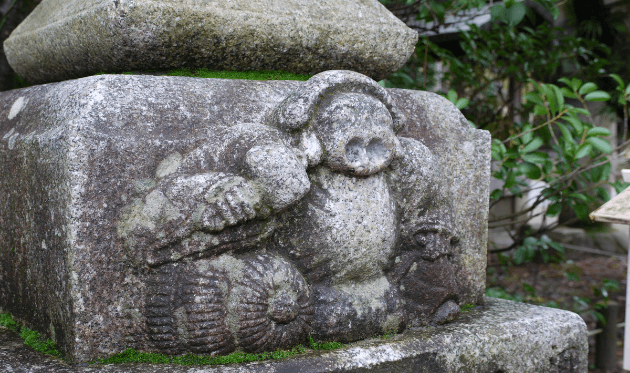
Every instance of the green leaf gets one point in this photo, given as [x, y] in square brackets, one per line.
[528, 135]
[520, 255]
[559, 97]
[535, 157]
[515, 14]
[533, 97]
[566, 134]
[462, 103]
[602, 194]
[582, 111]
[597, 96]
[581, 211]
[530, 170]
[568, 93]
[600, 144]
[496, 151]
[583, 151]
[452, 96]
[565, 81]
[554, 209]
[579, 196]
[576, 83]
[605, 172]
[533, 145]
[617, 79]
[598, 131]
[510, 180]
[587, 88]
[628, 89]
[516, 191]
[497, 12]
[540, 110]
[576, 123]
[550, 95]
[439, 10]
[556, 246]
[570, 148]
[496, 194]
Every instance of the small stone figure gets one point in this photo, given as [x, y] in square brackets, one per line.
[321, 221]
[422, 269]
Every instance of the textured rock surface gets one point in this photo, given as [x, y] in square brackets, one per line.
[500, 336]
[74, 38]
[145, 212]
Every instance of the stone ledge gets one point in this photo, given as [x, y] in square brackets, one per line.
[74, 38]
[498, 337]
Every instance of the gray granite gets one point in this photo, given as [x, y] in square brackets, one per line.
[184, 215]
[499, 336]
[65, 39]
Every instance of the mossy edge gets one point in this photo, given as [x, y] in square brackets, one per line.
[31, 337]
[132, 356]
[212, 74]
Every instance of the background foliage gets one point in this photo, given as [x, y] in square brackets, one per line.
[528, 83]
[541, 91]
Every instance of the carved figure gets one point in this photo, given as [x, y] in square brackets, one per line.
[321, 221]
[423, 270]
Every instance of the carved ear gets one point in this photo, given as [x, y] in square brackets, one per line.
[297, 110]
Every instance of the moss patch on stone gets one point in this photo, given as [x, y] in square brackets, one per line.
[468, 307]
[133, 356]
[324, 345]
[31, 337]
[247, 75]
[205, 73]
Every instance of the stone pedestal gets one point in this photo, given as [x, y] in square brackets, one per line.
[498, 336]
[174, 214]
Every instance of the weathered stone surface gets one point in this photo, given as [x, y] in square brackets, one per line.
[75, 38]
[500, 336]
[199, 215]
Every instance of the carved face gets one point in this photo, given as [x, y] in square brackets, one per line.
[356, 132]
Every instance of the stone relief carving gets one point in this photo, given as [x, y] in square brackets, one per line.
[320, 221]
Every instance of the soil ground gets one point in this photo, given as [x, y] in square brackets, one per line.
[582, 284]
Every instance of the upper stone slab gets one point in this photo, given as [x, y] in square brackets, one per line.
[66, 39]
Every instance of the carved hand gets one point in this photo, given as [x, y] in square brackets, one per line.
[231, 201]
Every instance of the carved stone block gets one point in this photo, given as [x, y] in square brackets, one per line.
[67, 39]
[182, 215]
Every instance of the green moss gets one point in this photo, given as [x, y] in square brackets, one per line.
[248, 75]
[468, 307]
[35, 340]
[133, 356]
[7, 321]
[31, 337]
[205, 73]
[325, 345]
[387, 335]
